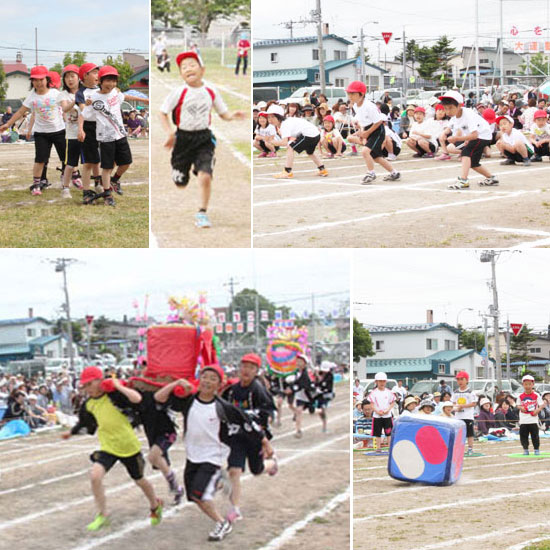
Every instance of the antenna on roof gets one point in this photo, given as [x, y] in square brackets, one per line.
[290, 25]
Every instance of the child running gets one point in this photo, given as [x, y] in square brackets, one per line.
[513, 143]
[325, 387]
[371, 134]
[108, 409]
[297, 135]
[304, 391]
[382, 400]
[193, 145]
[474, 131]
[530, 404]
[49, 127]
[464, 401]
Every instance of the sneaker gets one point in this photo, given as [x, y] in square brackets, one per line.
[76, 180]
[44, 183]
[116, 187]
[156, 514]
[262, 155]
[178, 494]
[65, 193]
[202, 220]
[275, 468]
[537, 451]
[234, 515]
[272, 156]
[369, 178]
[393, 176]
[460, 184]
[221, 529]
[284, 175]
[536, 158]
[88, 196]
[99, 522]
[489, 181]
[391, 156]
[526, 161]
[35, 190]
[323, 173]
[507, 162]
[443, 156]
[298, 434]
[526, 452]
[109, 200]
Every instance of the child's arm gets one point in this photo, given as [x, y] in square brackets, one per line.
[30, 127]
[132, 395]
[235, 115]
[366, 133]
[469, 137]
[20, 113]
[283, 142]
[129, 97]
[165, 121]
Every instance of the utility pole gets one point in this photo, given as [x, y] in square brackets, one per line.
[486, 331]
[508, 348]
[231, 284]
[36, 45]
[313, 335]
[61, 267]
[257, 322]
[501, 44]
[477, 51]
[290, 26]
[404, 67]
[317, 16]
[363, 57]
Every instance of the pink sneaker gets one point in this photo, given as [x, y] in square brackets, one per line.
[443, 156]
[262, 155]
[272, 156]
[36, 191]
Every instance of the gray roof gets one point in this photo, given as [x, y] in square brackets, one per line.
[22, 321]
[417, 327]
[301, 40]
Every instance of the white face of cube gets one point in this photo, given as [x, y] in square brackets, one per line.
[408, 459]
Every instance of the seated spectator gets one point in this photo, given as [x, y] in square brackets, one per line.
[36, 414]
[544, 415]
[134, 125]
[409, 406]
[163, 61]
[364, 422]
[16, 406]
[486, 418]
[506, 416]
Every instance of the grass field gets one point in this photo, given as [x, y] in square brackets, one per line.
[173, 209]
[48, 221]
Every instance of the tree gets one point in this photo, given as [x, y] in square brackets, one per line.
[200, 13]
[471, 339]
[100, 324]
[61, 325]
[444, 50]
[366, 55]
[124, 69]
[411, 53]
[538, 65]
[165, 10]
[428, 62]
[3, 82]
[362, 342]
[519, 345]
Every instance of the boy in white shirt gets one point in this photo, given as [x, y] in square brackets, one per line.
[422, 135]
[331, 139]
[540, 136]
[464, 401]
[382, 400]
[530, 404]
[512, 143]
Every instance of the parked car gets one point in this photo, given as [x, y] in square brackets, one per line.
[332, 92]
[368, 384]
[542, 388]
[429, 386]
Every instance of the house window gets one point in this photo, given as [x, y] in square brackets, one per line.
[339, 82]
[510, 72]
[379, 345]
[339, 55]
[274, 57]
[315, 54]
[317, 77]
[534, 350]
[441, 368]
[45, 332]
[450, 345]
[431, 343]
[49, 353]
[480, 372]
[31, 332]
[484, 60]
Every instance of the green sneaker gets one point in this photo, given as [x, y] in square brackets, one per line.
[99, 522]
[156, 514]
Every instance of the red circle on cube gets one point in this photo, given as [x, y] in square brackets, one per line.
[431, 445]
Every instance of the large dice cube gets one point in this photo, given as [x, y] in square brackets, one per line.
[427, 449]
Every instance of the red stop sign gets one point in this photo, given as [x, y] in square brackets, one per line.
[516, 328]
[386, 36]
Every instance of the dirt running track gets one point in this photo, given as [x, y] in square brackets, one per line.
[499, 502]
[417, 211]
[173, 209]
[45, 482]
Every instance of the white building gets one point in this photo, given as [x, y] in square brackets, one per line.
[17, 78]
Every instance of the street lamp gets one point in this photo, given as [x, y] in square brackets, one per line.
[463, 309]
[362, 53]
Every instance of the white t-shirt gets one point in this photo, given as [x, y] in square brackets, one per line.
[381, 400]
[329, 136]
[464, 397]
[358, 391]
[531, 402]
[540, 133]
[108, 116]
[293, 127]
[71, 117]
[47, 113]
[196, 106]
[367, 114]
[529, 117]
[426, 127]
[202, 439]
[469, 122]
[269, 130]
[514, 136]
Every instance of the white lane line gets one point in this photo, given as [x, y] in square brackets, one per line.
[233, 92]
[326, 225]
[530, 232]
[153, 242]
[290, 532]
[412, 511]
[137, 525]
[46, 482]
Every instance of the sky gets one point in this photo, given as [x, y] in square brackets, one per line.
[424, 20]
[399, 285]
[70, 25]
[108, 281]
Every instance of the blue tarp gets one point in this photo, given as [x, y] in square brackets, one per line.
[15, 428]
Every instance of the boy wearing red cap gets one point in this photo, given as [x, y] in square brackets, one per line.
[49, 127]
[422, 135]
[512, 143]
[464, 401]
[193, 144]
[371, 132]
[209, 424]
[540, 135]
[110, 409]
[251, 397]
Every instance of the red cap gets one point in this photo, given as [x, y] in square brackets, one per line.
[356, 86]
[252, 358]
[216, 368]
[505, 117]
[420, 110]
[107, 70]
[185, 55]
[262, 113]
[439, 107]
[71, 69]
[541, 114]
[330, 118]
[39, 72]
[489, 115]
[463, 374]
[85, 69]
[89, 374]
[55, 79]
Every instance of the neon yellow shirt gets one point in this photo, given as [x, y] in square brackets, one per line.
[114, 430]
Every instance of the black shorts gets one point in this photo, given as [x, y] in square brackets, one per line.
[333, 150]
[379, 424]
[43, 142]
[290, 398]
[469, 427]
[200, 480]
[474, 150]
[494, 138]
[375, 141]
[305, 143]
[243, 449]
[542, 150]
[163, 441]
[115, 152]
[90, 146]
[396, 150]
[192, 150]
[303, 404]
[431, 146]
[73, 152]
[516, 157]
[135, 464]
[322, 403]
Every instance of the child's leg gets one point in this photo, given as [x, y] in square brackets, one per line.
[323, 415]
[289, 159]
[535, 436]
[470, 442]
[86, 173]
[299, 411]
[483, 171]
[316, 160]
[368, 159]
[205, 180]
[235, 478]
[411, 143]
[424, 146]
[156, 458]
[67, 176]
[37, 169]
[389, 145]
[119, 172]
[106, 178]
[338, 145]
[443, 143]
[524, 436]
[208, 507]
[466, 165]
[148, 491]
[384, 163]
[269, 146]
[97, 473]
[521, 149]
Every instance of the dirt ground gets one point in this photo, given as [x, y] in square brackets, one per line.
[498, 503]
[416, 211]
[45, 482]
[173, 209]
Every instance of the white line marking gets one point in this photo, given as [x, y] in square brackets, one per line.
[291, 531]
[153, 242]
[233, 92]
